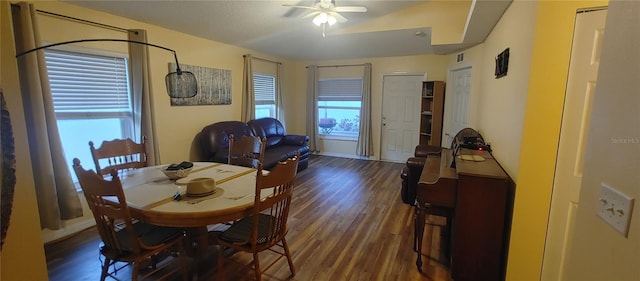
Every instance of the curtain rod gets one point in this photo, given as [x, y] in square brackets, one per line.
[276, 62]
[86, 21]
[341, 65]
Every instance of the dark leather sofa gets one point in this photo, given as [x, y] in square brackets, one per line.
[214, 141]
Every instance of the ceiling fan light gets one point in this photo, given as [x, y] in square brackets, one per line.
[331, 20]
[320, 19]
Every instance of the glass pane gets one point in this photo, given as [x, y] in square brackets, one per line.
[265, 110]
[355, 104]
[339, 122]
[76, 134]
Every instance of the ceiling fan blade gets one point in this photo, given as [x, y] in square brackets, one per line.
[351, 9]
[311, 14]
[338, 17]
[301, 7]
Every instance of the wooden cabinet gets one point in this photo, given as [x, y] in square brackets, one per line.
[431, 112]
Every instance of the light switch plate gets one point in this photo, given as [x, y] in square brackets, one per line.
[615, 208]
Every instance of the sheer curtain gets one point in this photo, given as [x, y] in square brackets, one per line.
[56, 194]
[248, 97]
[365, 144]
[144, 115]
[312, 108]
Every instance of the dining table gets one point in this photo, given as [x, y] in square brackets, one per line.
[155, 199]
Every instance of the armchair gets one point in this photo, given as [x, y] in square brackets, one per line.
[411, 172]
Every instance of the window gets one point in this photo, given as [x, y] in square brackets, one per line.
[264, 88]
[339, 102]
[91, 99]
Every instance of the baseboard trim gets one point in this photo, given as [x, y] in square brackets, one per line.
[344, 155]
[49, 236]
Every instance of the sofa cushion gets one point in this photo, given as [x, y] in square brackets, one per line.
[282, 152]
[269, 128]
[214, 139]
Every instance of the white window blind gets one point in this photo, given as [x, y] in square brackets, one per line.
[264, 87]
[85, 83]
[340, 90]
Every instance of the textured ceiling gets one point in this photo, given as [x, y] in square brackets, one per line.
[388, 28]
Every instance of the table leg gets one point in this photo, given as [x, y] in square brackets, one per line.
[198, 242]
[419, 232]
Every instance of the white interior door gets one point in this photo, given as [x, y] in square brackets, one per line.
[581, 83]
[400, 116]
[456, 113]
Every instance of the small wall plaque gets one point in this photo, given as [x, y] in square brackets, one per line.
[502, 63]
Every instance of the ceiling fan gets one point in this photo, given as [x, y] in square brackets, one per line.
[326, 12]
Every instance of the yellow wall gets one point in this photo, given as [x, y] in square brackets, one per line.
[543, 112]
[22, 254]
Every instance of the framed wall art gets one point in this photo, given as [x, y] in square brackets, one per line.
[214, 86]
[502, 64]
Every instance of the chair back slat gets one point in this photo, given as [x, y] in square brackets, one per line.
[279, 184]
[108, 204]
[119, 154]
[247, 151]
[123, 236]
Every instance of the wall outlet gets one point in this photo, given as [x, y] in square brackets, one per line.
[615, 207]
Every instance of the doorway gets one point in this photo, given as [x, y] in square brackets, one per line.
[456, 104]
[581, 84]
[400, 116]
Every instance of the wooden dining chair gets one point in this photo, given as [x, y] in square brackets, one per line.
[246, 151]
[267, 227]
[119, 154]
[135, 243]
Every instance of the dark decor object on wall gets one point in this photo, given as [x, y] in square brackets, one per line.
[8, 166]
[502, 63]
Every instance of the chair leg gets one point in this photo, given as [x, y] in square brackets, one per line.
[415, 231]
[220, 263]
[286, 251]
[105, 269]
[134, 271]
[256, 266]
[183, 261]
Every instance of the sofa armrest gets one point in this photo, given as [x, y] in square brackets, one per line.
[296, 139]
[416, 162]
[410, 176]
[424, 150]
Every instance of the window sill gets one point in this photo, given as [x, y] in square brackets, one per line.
[339, 138]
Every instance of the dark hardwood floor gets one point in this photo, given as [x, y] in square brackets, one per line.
[347, 222]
